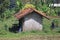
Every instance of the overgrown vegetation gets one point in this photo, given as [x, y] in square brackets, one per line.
[7, 18]
[3, 5]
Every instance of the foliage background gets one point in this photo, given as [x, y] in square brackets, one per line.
[7, 18]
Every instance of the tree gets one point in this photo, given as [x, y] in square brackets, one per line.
[3, 5]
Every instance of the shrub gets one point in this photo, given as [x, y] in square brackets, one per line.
[3, 32]
[4, 5]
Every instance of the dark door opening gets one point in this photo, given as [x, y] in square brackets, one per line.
[17, 27]
[21, 24]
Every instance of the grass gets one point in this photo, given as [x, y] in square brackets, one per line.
[31, 35]
[6, 34]
[23, 34]
[45, 34]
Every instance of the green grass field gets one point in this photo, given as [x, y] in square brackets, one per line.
[32, 35]
[46, 29]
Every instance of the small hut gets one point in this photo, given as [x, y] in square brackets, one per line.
[30, 19]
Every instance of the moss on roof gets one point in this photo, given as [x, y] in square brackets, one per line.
[28, 6]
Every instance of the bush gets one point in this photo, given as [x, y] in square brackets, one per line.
[49, 11]
[4, 5]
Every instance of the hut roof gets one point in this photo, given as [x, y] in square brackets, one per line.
[26, 11]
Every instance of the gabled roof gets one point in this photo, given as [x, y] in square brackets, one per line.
[26, 11]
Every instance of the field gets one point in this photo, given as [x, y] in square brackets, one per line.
[45, 34]
[7, 19]
[33, 35]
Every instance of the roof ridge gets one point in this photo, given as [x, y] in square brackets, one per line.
[29, 10]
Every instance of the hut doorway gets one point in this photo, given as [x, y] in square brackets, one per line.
[21, 24]
[17, 27]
